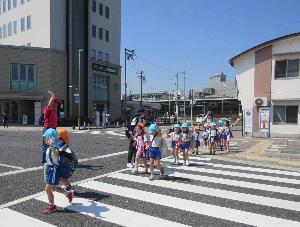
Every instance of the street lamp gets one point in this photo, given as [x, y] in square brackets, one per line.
[78, 94]
[224, 85]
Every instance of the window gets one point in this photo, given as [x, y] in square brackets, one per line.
[4, 31]
[28, 44]
[100, 87]
[0, 32]
[8, 5]
[22, 77]
[22, 2]
[14, 3]
[0, 7]
[94, 6]
[107, 36]
[287, 69]
[106, 57]
[15, 27]
[93, 54]
[4, 6]
[100, 33]
[28, 22]
[100, 9]
[94, 31]
[23, 24]
[100, 55]
[285, 114]
[106, 12]
[9, 29]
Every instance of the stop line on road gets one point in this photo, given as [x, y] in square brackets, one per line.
[204, 182]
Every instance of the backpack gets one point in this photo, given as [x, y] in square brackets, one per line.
[68, 157]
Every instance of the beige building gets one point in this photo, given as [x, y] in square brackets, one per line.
[268, 76]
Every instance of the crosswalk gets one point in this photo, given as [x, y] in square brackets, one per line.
[207, 193]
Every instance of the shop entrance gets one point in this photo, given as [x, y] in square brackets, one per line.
[10, 109]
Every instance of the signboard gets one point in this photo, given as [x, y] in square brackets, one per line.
[264, 120]
[248, 120]
[76, 95]
[103, 68]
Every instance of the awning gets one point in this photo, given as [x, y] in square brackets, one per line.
[12, 96]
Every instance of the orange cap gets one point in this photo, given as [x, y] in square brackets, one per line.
[63, 133]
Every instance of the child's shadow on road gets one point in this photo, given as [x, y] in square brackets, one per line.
[91, 167]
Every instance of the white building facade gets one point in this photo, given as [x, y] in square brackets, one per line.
[271, 72]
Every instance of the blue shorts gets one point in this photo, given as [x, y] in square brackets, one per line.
[185, 146]
[223, 136]
[197, 143]
[173, 144]
[154, 152]
[51, 174]
[213, 139]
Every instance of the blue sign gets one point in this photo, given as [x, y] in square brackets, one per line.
[76, 98]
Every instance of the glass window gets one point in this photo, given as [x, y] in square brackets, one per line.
[28, 44]
[100, 55]
[100, 9]
[23, 24]
[0, 32]
[94, 30]
[107, 12]
[15, 3]
[291, 114]
[106, 57]
[9, 29]
[28, 22]
[15, 27]
[279, 114]
[100, 87]
[280, 69]
[94, 6]
[14, 72]
[0, 7]
[293, 68]
[100, 33]
[4, 31]
[23, 77]
[8, 5]
[4, 6]
[22, 2]
[93, 54]
[285, 114]
[107, 36]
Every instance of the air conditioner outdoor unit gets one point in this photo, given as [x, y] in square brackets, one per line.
[260, 101]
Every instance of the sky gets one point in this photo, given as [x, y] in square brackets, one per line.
[196, 36]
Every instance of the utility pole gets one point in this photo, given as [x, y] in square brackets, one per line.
[129, 54]
[142, 78]
[177, 98]
[192, 104]
[184, 115]
[80, 67]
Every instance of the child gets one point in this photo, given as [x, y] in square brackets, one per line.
[157, 143]
[51, 173]
[196, 134]
[68, 160]
[221, 134]
[140, 148]
[212, 138]
[205, 136]
[228, 136]
[175, 142]
[185, 143]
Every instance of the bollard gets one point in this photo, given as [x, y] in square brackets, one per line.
[88, 126]
[84, 125]
[117, 124]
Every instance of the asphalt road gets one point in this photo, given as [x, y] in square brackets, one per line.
[210, 192]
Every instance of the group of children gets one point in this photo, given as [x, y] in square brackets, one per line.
[149, 145]
[59, 163]
[217, 134]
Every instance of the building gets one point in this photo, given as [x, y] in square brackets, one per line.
[40, 42]
[268, 76]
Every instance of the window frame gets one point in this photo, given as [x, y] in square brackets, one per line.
[27, 83]
[4, 6]
[15, 4]
[107, 12]
[286, 69]
[107, 36]
[15, 27]
[28, 22]
[9, 29]
[100, 37]
[23, 24]
[94, 31]
[100, 7]
[94, 6]
[285, 115]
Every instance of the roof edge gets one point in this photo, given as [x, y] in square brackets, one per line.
[262, 45]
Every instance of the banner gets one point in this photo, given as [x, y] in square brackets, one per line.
[248, 120]
[264, 120]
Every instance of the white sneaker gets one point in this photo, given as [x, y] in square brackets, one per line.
[177, 162]
[184, 163]
[129, 165]
[187, 162]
